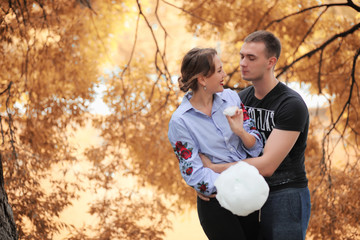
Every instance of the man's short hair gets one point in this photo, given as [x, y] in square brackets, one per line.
[272, 43]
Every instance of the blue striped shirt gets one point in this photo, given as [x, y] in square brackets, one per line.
[192, 132]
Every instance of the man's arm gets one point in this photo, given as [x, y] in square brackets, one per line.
[216, 167]
[278, 145]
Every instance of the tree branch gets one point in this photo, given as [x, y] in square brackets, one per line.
[345, 107]
[319, 73]
[155, 40]
[167, 74]
[158, 19]
[191, 14]
[310, 29]
[305, 10]
[321, 47]
[353, 5]
[265, 15]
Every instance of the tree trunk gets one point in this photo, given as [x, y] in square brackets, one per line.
[7, 223]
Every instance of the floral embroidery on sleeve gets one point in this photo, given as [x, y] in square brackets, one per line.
[203, 187]
[182, 152]
[187, 169]
[247, 118]
[245, 113]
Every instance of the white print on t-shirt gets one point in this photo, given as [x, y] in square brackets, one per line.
[264, 119]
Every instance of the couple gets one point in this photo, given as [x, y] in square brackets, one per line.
[206, 142]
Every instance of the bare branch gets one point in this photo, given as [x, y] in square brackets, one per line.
[319, 73]
[125, 69]
[323, 46]
[230, 74]
[198, 6]
[160, 72]
[158, 19]
[345, 107]
[10, 122]
[2, 129]
[310, 29]
[353, 5]
[305, 10]
[191, 14]
[100, 39]
[266, 14]
[154, 38]
[87, 4]
[132, 50]
[165, 38]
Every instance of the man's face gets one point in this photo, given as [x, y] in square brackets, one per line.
[254, 62]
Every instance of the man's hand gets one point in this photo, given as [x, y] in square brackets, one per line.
[205, 198]
[205, 160]
[218, 168]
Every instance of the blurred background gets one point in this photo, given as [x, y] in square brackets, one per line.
[88, 88]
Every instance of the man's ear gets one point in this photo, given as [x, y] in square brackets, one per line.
[272, 62]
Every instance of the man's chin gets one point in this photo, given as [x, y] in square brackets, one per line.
[251, 79]
[247, 79]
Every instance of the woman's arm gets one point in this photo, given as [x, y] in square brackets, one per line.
[236, 123]
[191, 167]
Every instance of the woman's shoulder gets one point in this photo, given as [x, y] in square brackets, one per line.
[229, 95]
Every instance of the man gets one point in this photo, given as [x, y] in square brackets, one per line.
[282, 118]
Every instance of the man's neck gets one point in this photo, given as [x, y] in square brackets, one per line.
[264, 86]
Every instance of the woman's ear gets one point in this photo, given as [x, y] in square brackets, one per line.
[201, 80]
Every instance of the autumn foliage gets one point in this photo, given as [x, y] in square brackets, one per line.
[53, 58]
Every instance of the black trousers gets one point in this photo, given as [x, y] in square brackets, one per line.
[220, 224]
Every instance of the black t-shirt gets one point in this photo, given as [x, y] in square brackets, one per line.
[282, 108]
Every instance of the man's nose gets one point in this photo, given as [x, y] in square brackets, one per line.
[242, 62]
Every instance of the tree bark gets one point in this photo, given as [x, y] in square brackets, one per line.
[7, 222]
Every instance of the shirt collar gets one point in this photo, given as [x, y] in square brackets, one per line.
[186, 105]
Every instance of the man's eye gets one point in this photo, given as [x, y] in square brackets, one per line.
[251, 58]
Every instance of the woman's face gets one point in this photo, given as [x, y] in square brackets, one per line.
[215, 82]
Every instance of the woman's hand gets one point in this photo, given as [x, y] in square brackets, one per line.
[204, 197]
[236, 122]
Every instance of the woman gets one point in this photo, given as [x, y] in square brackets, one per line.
[199, 126]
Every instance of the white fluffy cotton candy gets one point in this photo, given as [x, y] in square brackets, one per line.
[241, 189]
[230, 111]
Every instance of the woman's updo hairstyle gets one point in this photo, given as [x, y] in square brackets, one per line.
[198, 61]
